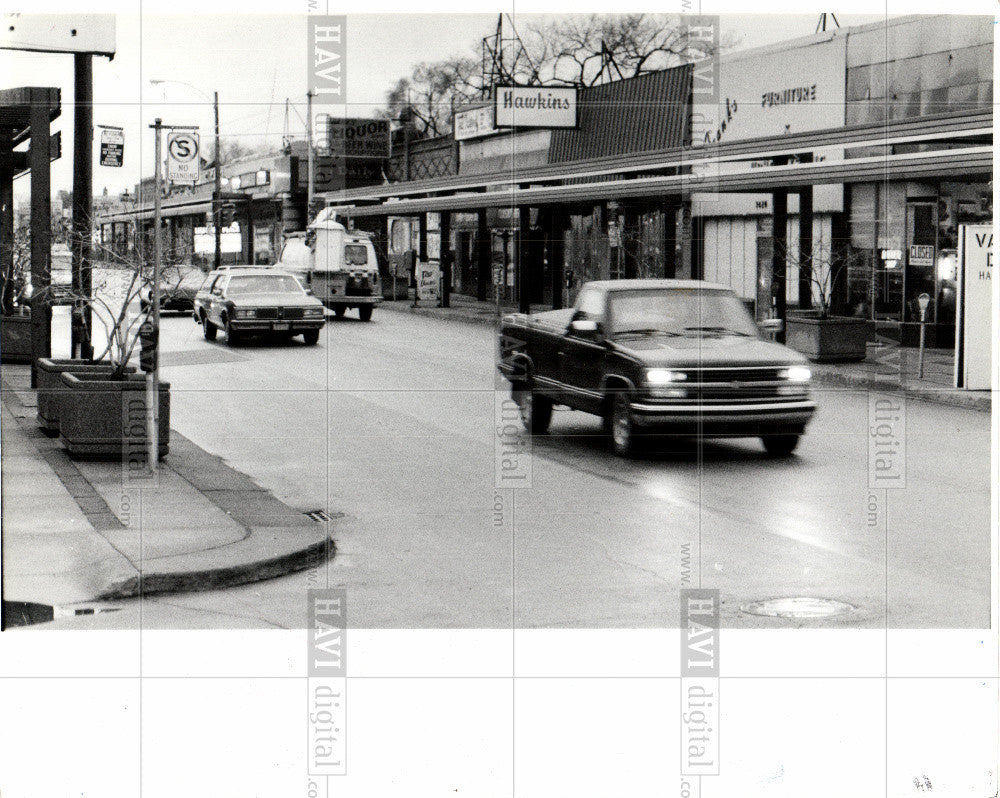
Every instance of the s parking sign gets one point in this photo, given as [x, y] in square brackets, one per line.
[183, 157]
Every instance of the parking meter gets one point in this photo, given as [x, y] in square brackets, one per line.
[922, 301]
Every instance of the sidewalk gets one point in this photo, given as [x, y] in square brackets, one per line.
[75, 531]
[888, 367]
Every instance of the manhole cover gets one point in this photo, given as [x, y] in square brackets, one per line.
[798, 607]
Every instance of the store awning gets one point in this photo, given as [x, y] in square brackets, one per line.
[748, 178]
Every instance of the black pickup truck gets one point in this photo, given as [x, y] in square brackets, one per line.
[679, 357]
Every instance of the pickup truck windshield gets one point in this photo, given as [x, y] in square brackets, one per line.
[264, 284]
[679, 311]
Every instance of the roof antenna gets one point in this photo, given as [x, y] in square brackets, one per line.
[821, 25]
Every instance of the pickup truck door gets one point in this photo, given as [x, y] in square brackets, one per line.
[581, 356]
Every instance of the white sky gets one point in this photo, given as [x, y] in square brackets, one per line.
[255, 60]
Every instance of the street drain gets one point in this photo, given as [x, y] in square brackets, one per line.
[322, 516]
[798, 607]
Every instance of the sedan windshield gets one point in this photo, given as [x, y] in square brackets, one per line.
[679, 312]
[264, 284]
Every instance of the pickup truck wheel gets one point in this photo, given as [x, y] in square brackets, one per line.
[232, 337]
[209, 328]
[536, 410]
[780, 445]
[311, 337]
[365, 312]
[623, 436]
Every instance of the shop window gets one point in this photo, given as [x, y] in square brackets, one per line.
[904, 77]
[963, 98]
[859, 83]
[934, 101]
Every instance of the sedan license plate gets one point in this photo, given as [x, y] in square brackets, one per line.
[281, 325]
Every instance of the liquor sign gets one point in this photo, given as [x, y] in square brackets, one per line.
[974, 321]
[475, 123]
[359, 138]
[183, 157]
[534, 106]
[112, 146]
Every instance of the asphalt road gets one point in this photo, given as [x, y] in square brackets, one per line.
[390, 428]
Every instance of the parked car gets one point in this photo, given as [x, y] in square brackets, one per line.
[178, 287]
[677, 356]
[248, 301]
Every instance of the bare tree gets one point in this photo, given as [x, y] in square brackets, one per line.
[587, 50]
[425, 100]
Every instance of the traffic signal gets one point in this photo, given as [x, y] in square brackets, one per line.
[149, 337]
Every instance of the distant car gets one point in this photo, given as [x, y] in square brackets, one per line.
[178, 287]
[257, 301]
[677, 356]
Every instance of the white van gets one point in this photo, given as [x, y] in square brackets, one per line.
[338, 265]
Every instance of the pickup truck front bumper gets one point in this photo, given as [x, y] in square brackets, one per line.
[712, 419]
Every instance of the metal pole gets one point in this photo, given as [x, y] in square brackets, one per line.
[920, 371]
[217, 204]
[83, 171]
[309, 144]
[153, 377]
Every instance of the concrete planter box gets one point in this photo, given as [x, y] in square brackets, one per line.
[837, 339]
[15, 338]
[106, 419]
[51, 388]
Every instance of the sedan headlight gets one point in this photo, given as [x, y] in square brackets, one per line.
[312, 312]
[664, 376]
[795, 374]
[246, 314]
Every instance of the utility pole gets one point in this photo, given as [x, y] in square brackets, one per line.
[217, 199]
[309, 145]
[82, 224]
[153, 376]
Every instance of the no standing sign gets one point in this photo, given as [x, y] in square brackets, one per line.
[183, 157]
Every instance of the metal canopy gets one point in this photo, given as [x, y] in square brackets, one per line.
[945, 130]
[969, 162]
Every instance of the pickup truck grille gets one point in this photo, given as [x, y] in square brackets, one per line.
[734, 385]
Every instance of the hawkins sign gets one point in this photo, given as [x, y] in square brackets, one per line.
[534, 106]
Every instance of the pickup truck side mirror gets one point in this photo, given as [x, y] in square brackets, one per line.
[585, 328]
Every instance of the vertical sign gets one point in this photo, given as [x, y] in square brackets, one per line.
[183, 157]
[112, 146]
[700, 682]
[327, 78]
[974, 323]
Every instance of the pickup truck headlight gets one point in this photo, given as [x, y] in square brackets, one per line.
[245, 314]
[795, 374]
[312, 312]
[664, 376]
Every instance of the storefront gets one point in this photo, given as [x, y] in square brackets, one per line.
[691, 191]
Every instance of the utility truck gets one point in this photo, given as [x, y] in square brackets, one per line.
[337, 265]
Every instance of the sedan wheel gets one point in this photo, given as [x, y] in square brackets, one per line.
[232, 337]
[311, 337]
[210, 329]
[780, 445]
[623, 436]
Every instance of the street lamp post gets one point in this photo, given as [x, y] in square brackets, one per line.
[217, 191]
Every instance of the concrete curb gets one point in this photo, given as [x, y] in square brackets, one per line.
[197, 580]
[971, 400]
[444, 314]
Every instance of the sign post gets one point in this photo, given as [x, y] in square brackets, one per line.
[153, 375]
